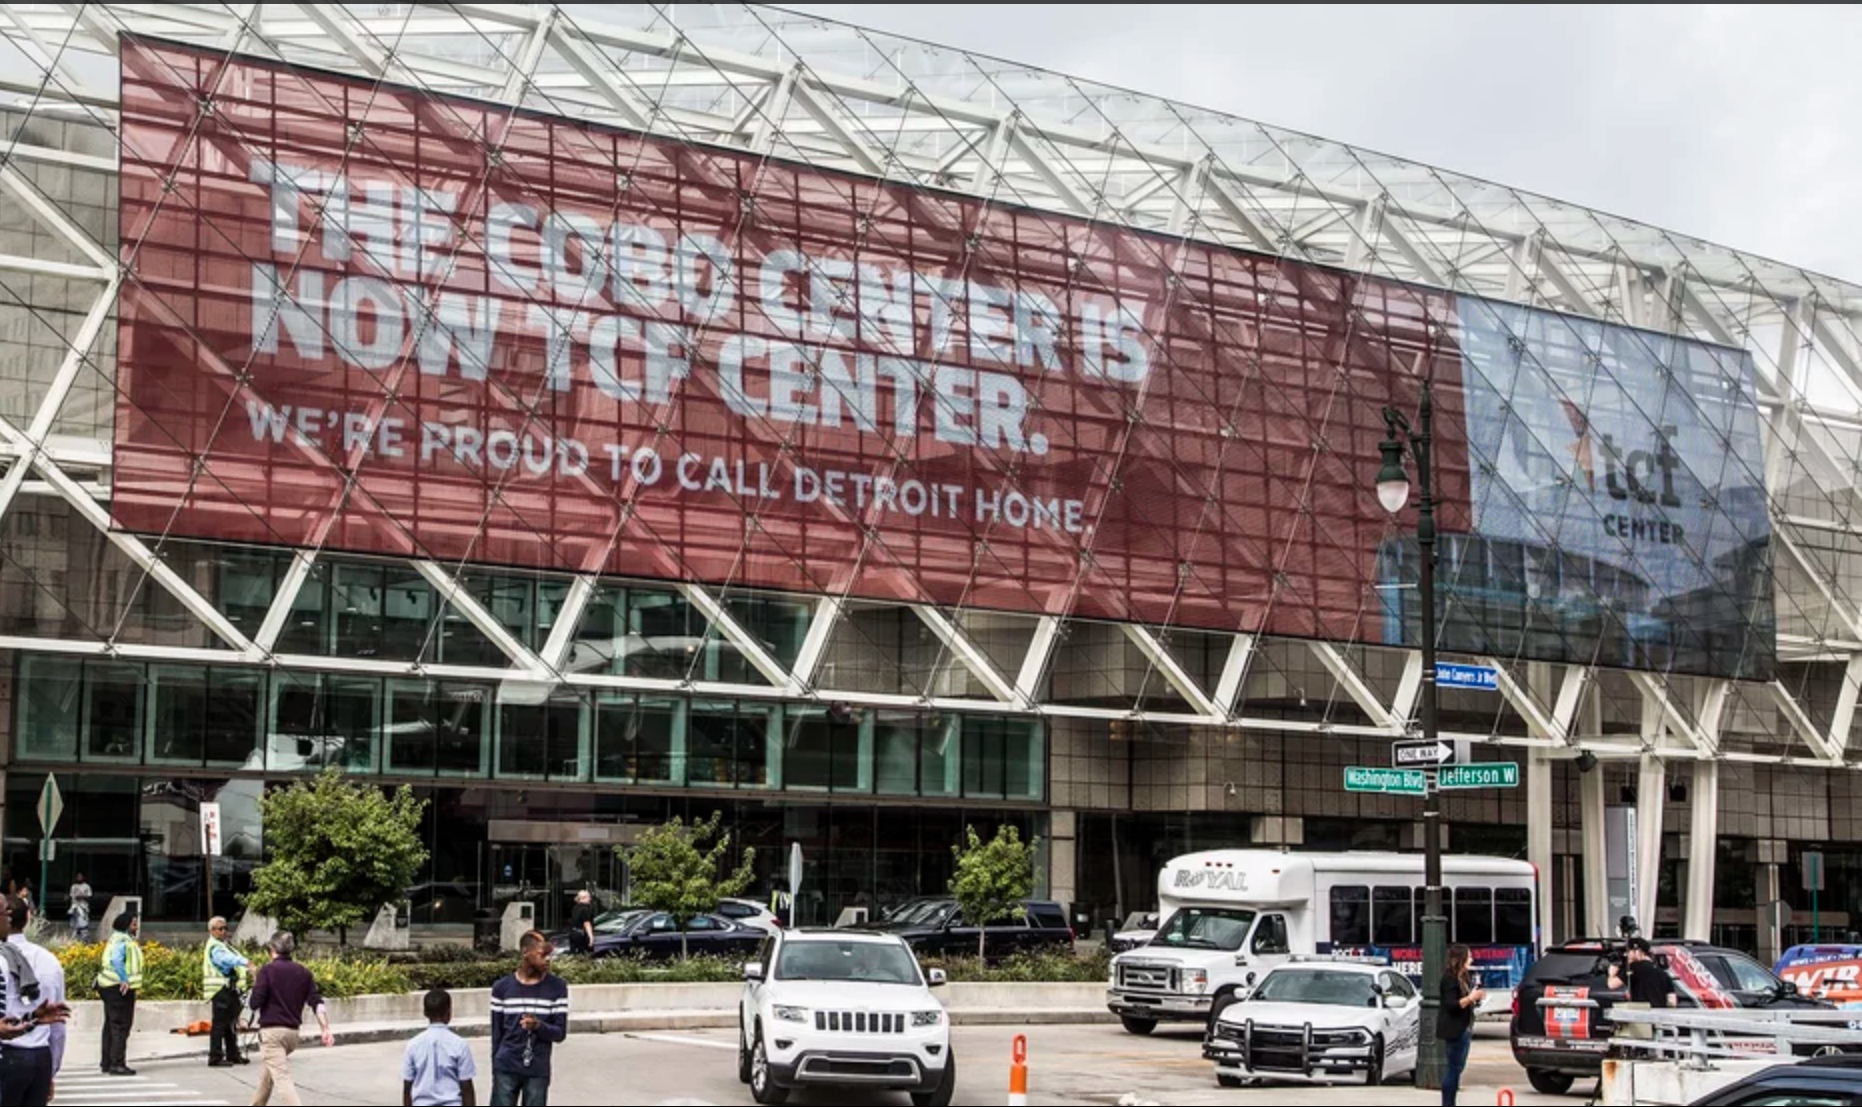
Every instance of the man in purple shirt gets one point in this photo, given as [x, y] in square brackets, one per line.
[283, 990]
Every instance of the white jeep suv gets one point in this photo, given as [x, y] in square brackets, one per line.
[846, 1008]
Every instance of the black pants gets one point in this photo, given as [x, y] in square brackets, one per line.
[224, 1044]
[119, 1017]
[25, 1077]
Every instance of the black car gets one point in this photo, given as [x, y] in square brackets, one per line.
[1832, 1081]
[1560, 1045]
[934, 927]
[654, 936]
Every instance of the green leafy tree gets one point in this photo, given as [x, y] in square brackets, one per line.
[675, 872]
[992, 878]
[338, 851]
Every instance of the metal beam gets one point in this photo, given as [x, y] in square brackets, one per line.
[1800, 721]
[1357, 688]
[1034, 662]
[974, 659]
[557, 650]
[726, 624]
[1166, 663]
[1234, 678]
[453, 594]
[815, 643]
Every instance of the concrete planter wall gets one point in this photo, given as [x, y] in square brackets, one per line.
[473, 1006]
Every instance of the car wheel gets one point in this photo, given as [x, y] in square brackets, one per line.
[1225, 1080]
[940, 1096]
[1222, 1003]
[1547, 1082]
[763, 1089]
[1374, 1076]
[743, 1055]
[1137, 1026]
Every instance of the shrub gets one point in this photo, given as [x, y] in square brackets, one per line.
[1058, 967]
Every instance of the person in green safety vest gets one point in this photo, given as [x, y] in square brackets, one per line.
[118, 981]
[224, 975]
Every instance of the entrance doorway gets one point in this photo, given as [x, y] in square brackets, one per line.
[549, 875]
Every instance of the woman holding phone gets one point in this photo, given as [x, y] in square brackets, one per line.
[1454, 1020]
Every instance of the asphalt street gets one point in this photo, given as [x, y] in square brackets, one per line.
[1097, 1065]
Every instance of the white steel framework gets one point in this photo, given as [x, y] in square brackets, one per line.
[777, 83]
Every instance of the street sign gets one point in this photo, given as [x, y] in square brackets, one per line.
[1399, 782]
[1813, 870]
[795, 869]
[210, 829]
[51, 805]
[1482, 678]
[1499, 774]
[1422, 754]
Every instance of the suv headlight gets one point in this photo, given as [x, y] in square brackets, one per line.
[789, 1014]
[1196, 981]
[927, 1018]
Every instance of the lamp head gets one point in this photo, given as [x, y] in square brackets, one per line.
[1392, 479]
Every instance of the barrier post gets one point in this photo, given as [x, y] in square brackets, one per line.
[1018, 1073]
[1506, 1097]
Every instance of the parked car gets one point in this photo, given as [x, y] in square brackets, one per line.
[1834, 1080]
[749, 913]
[848, 1008]
[934, 927]
[1558, 1046]
[654, 936]
[1319, 1020]
[1140, 927]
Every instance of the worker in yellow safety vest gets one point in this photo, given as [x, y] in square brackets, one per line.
[118, 981]
[223, 976]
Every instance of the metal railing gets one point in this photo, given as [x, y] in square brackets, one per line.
[1697, 1036]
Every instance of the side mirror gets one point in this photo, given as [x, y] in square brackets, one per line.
[753, 972]
[1787, 988]
[1395, 1002]
[934, 978]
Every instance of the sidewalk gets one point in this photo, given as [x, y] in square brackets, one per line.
[82, 1048]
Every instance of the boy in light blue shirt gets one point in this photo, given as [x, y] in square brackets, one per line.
[437, 1070]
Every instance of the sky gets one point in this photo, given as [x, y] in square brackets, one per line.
[1739, 125]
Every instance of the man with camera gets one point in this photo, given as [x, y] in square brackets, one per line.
[1647, 981]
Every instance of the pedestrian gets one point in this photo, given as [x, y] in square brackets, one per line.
[529, 1015]
[35, 983]
[80, 912]
[118, 981]
[284, 990]
[1454, 1020]
[582, 923]
[223, 975]
[1648, 982]
[437, 1070]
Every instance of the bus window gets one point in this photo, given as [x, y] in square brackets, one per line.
[1270, 936]
[1474, 916]
[1512, 916]
[1391, 918]
[1351, 916]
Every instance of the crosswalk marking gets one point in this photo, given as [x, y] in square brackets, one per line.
[112, 1091]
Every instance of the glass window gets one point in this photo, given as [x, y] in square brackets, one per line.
[1513, 924]
[827, 749]
[640, 739]
[322, 720]
[1270, 936]
[1474, 916]
[895, 752]
[178, 714]
[1351, 916]
[1003, 758]
[729, 746]
[1391, 915]
[113, 697]
[940, 756]
[50, 708]
[1223, 928]
[438, 728]
[541, 740]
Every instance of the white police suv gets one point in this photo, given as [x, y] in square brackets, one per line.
[1319, 1020]
[846, 1008]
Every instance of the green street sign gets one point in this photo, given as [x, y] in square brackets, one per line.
[1400, 782]
[1499, 774]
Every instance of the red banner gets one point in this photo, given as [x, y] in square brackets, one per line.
[371, 318]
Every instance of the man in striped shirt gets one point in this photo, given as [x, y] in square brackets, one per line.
[529, 1015]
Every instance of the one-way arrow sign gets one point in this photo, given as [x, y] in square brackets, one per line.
[1413, 754]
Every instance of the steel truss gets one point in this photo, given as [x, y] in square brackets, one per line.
[773, 82]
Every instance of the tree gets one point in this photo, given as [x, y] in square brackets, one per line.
[674, 872]
[993, 878]
[339, 851]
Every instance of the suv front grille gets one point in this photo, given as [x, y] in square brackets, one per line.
[860, 1022]
[1151, 978]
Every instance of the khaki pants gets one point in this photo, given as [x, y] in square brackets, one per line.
[276, 1045]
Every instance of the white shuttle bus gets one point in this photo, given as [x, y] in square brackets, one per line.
[1230, 915]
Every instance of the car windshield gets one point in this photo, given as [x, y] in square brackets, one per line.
[1329, 987]
[1141, 920]
[924, 912]
[1205, 928]
[1743, 975]
[613, 922]
[864, 962]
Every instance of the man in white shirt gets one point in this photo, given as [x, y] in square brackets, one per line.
[34, 991]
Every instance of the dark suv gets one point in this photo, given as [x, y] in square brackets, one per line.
[1833, 1080]
[934, 927]
[1557, 1046]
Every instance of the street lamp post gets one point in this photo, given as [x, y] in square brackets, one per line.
[1393, 494]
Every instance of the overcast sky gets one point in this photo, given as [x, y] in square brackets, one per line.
[1740, 125]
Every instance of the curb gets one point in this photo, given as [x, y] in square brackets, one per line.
[630, 1022]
